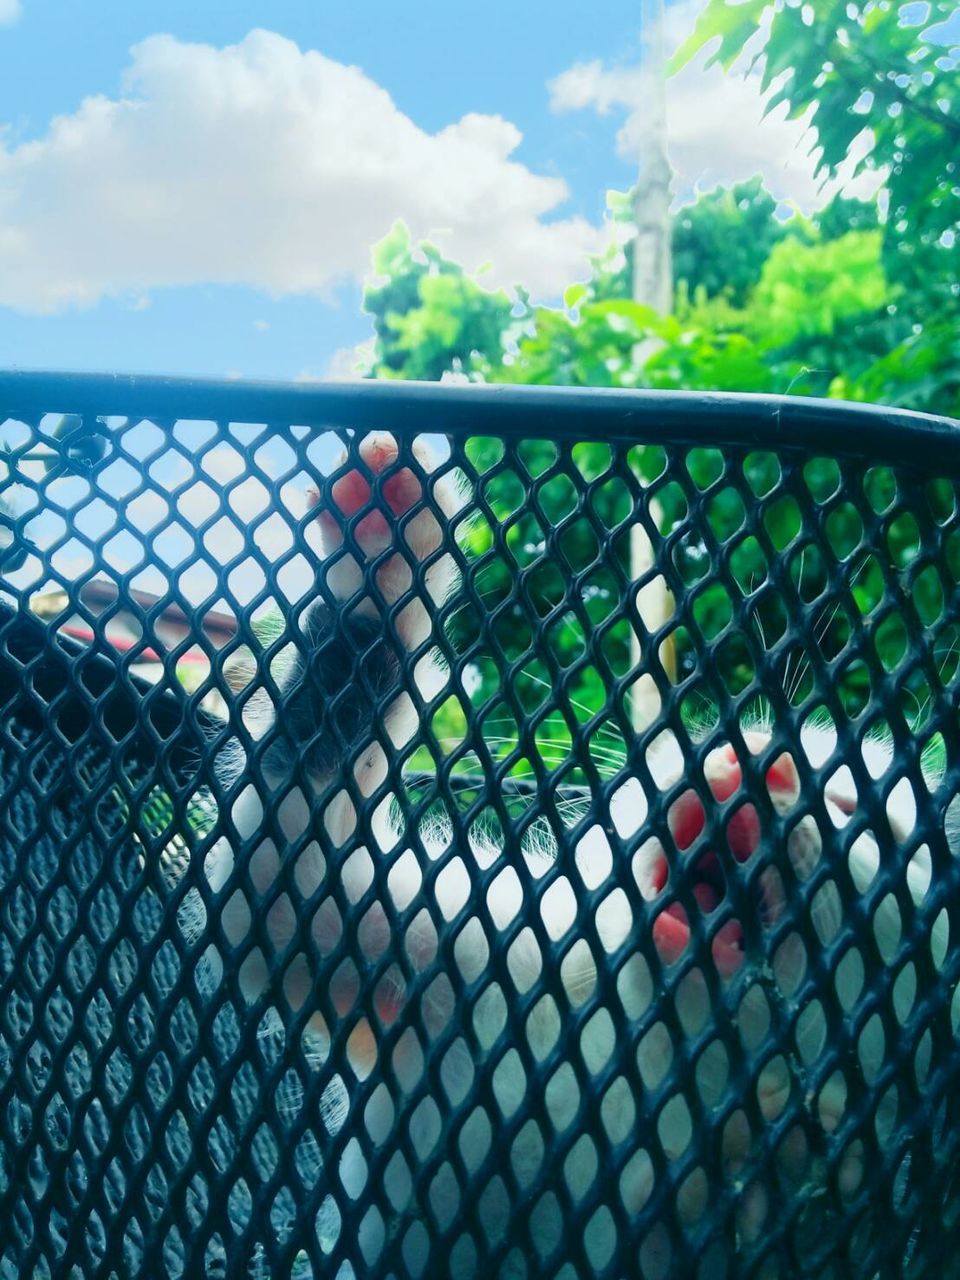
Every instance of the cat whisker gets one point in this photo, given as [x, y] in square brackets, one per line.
[820, 631]
[579, 706]
[758, 622]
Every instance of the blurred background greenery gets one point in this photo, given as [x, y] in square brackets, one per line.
[860, 301]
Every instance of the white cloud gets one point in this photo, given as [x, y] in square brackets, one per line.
[264, 165]
[590, 84]
[716, 129]
[350, 364]
[10, 11]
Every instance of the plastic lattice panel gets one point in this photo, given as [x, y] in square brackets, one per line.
[454, 835]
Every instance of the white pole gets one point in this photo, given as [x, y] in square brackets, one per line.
[653, 287]
[652, 259]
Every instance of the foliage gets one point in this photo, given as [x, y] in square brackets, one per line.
[814, 321]
[817, 314]
[881, 91]
[721, 242]
[429, 317]
[810, 290]
[861, 302]
[820, 312]
[845, 214]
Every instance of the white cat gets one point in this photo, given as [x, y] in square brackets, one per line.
[314, 867]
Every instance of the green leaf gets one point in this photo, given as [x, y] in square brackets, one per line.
[734, 24]
[573, 294]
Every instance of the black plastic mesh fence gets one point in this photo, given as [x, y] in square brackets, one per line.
[455, 831]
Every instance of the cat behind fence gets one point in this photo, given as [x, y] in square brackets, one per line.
[313, 836]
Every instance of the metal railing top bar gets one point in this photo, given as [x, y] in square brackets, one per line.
[842, 428]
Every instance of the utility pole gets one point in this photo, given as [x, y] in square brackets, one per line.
[652, 287]
[652, 259]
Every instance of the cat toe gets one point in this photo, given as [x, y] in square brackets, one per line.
[686, 819]
[354, 493]
[385, 505]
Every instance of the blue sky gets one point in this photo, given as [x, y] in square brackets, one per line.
[435, 62]
[205, 203]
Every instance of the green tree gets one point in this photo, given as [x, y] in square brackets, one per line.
[428, 316]
[721, 242]
[844, 214]
[819, 311]
[881, 90]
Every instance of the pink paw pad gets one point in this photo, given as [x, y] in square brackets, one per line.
[686, 819]
[353, 491]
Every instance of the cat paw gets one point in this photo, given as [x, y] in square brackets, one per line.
[403, 511]
[686, 819]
